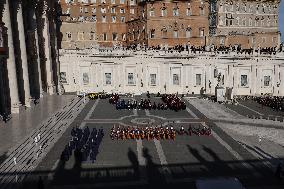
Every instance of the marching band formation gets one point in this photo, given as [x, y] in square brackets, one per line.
[157, 132]
[84, 143]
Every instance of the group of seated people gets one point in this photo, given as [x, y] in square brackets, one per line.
[173, 102]
[144, 104]
[84, 143]
[274, 102]
[157, 132]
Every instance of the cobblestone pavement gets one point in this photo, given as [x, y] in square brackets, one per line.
[28, 153]
[163, 163]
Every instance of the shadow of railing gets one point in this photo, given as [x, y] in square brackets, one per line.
[128, 177]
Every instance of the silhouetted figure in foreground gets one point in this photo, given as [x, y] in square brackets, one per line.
[40, 184]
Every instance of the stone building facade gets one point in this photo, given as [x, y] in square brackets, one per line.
[169, 23]
[157, 71]
[246, 23]
[106, 19]
[29, 64]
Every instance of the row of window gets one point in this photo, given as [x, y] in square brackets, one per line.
[153, 79]
[175, 12]
[94, 19]
[81, 36]
[94, 10]
[131, 2]
[248, 8]
[176, 33]
[250, 22]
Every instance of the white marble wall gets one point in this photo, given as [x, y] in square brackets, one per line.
[172, 74]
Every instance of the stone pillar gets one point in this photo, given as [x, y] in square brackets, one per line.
[23, 54]
[281, 87]
[33, 25]
[47, 52]
[11, 64]
[253, 79]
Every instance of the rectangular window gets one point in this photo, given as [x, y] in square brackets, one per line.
[201, 32]
[80, 36]
[123, 37]
[108, 78]
[122, 11]
[81, 9]
[175, 79]
[103, 1]
[104, 19]
[175, 12]
[63, 78]
[164, 12]
[266, 81]
[198, 79]
[151, 13]
[113, 19]
[131, 79]
[105, 36]
[112, 1]
[202, 12]
[112, 10]
[188, 33]
[122, 19]
[132, 2]
[86, 10]
[93, 10]
[131, 11]
[103, 10]
[175, 34]
[69, 36]
[153, 79]
[114, 36]
[244, 80]
[188, 12]
[85, 78]
[122, 1]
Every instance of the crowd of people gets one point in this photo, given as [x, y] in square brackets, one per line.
[83, 142]
[173, 102]
[144, 104]
[221, 49]
[274, 102]
[157, 132]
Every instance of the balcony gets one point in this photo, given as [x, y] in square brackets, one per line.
[3, 40]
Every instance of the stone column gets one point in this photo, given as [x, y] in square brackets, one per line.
[23, 54]
[253, 80]
[11, 64]
[33, 25]
[47, 51]
[281, 87]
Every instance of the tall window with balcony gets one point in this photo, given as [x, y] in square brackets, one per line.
[164, 11]
[152, 12]
[175, 11]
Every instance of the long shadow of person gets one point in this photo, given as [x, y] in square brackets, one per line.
[60, 173]
[218, 164]
[208, 171]
[154, 176]
[134, 161]
[76, 170]
[3, 158]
